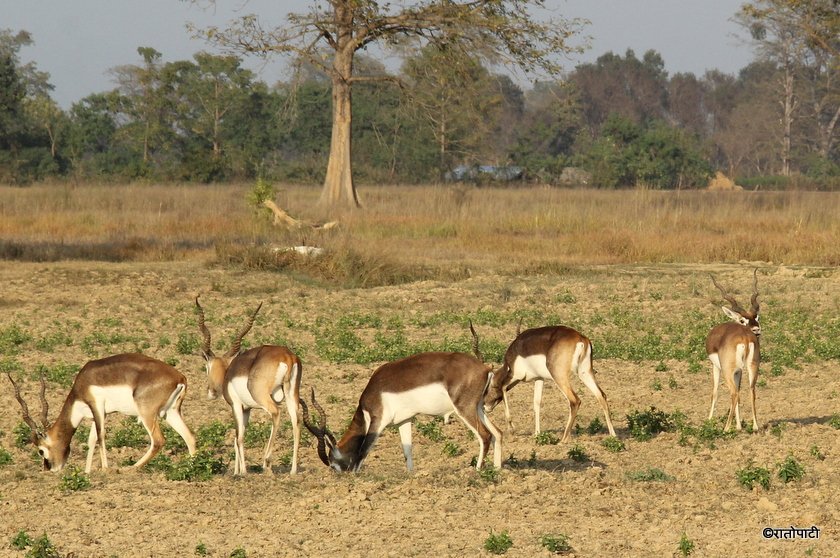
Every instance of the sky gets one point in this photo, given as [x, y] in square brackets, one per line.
[78, 41]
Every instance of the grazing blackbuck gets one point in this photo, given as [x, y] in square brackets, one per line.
[131, 384]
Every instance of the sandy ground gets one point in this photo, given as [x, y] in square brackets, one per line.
[444, 508]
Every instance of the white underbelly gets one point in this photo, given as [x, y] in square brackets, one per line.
[238, 391]
[531, 368]
[432, 399]
[115, 399]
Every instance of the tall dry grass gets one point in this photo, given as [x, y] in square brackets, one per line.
[426, 231]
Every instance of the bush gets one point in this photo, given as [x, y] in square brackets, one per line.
[556, 544]
[578, 454]
[74, 479]
[751, 475]
[613, 444]
[42, 547]
[790, 470]
[498, 543]
[5, 457]
[22, 540]
[644, 425]
[546, 438]
[200, 467]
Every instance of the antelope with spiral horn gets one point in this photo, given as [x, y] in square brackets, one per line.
[434, 383]
[733, 348]
[259, 378]
[131, 384]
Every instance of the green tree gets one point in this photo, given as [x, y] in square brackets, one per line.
[506, 30]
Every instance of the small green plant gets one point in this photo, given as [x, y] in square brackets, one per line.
[130, 434]
[452, 449]
[595, 427]
[651, 474]
[834, 421]
[42, 547]
[644, 425]
[556, 543]
[187, 344]
[239, 553]
[261, 192]
[22, 540]
[565, 298]
[546, 438]
[686, 545]
[201, 549]
[212, 435]
[817, 453]
[5, 457]
[694, 367]
[790, 470]
[257, 433]
[22, 435]
[74, 479]
[432, 429]
[498, 543]
[578, 454]
[656, 385]
[661, 367]
[778, 429]
[613, 444]
[199, 467]
[489, 474]
[752, 475]
[672, 383]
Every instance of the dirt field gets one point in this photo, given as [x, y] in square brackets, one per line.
[57, 315]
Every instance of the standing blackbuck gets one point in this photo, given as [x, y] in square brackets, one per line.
[426, 383]
[259, 378]
[547, 353]
[733, 347]
[131, 384]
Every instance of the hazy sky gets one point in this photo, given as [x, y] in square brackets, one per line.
[77, 41]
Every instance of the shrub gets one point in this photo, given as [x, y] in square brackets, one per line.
[5, 457]
[644, 425]
[42, 547]
[212, 435]
[751, 475]
[432, 429]
[452, 449]
[22, 540]
[578, 454]
[686, 546]
[546, 438]
[22, 435]
[651, 474]
[489, 474]
[131, 434]
[74, 479]
[187, 344]
[790, 470]
[200, 467]
[595, 427]
[613, 444]
[834, 421]
[556, 543]
[498, 543]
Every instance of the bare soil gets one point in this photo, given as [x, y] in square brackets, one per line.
[444, 508]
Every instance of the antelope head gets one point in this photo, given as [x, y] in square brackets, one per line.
[328, 449]
[736, 312]
[498, 387]
[217, 366]
[51, 451]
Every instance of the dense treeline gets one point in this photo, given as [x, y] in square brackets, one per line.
[621, 120]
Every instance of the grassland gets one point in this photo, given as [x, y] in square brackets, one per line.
[404, 276]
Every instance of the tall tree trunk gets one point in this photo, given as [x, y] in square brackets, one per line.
[788, 108]
[339, 189]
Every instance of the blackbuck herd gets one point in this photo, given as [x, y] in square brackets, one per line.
[432, 383]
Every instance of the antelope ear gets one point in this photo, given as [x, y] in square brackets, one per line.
[734, 316]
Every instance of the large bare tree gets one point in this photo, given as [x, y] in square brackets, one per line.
[519, 33]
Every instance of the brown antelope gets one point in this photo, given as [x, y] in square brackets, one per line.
[258, 378]
[131, 384]
[426, 383]
[733, 347]
[547, 353]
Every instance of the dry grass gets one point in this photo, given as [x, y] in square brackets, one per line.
[423, 232]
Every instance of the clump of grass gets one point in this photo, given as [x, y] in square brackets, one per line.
[22, 435]
[790, 470]
[187, 344]
[42, 547]
[61, 373]
[751, 475]
[546, 438]
[613, 444]
[74, 479]
[498, 543]
[239, 553]
[452, 449]
[644, 425]
[651, 474]
[489, 474]
[578, 454]
[595, 427]
[556, 543]
[201, 549]
[817, 453]
[834, 421]
[685, 546]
